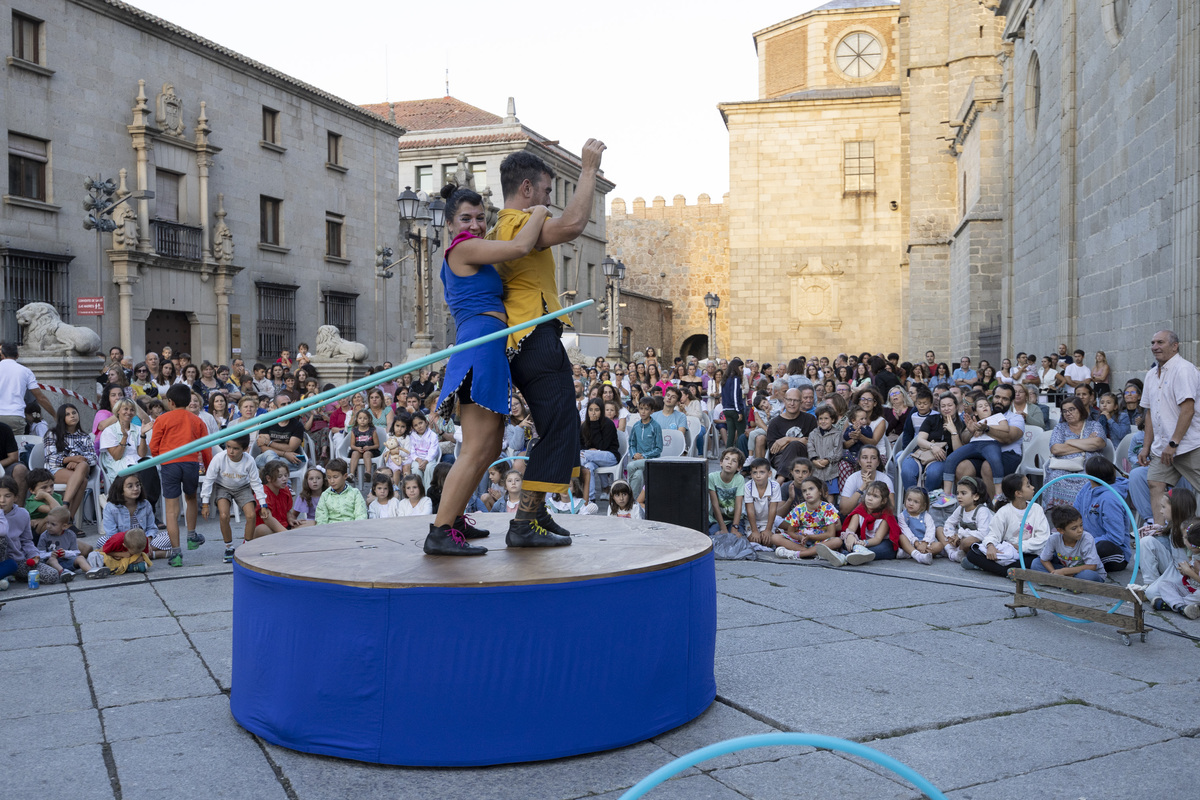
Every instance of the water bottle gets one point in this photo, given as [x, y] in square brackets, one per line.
[34, 581]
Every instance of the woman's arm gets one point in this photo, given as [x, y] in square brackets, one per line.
[477, 252]
[877, 432]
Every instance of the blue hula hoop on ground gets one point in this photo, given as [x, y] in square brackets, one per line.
[770, 739]
[506, 459]
[1137, 540]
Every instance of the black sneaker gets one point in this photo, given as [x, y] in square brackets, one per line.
[546, 520]
[466, 526]
[446, 540]
[229, 550]
[531, 533]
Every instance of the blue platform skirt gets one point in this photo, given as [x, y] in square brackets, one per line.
[481, 371]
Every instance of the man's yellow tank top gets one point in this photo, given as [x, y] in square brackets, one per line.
[530, 289]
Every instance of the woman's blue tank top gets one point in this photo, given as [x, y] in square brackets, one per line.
[469, 297]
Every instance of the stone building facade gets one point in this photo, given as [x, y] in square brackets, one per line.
[446, 136]
[268, 191]
[679, 252]
[1104, 175]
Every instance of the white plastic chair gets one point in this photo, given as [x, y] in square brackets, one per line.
[694, 427]
[1035, 454]
[896, 473]
[1122, 455]
[616, 470]
[674, 443]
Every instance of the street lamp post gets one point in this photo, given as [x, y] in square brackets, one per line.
[422, 220]
[99, 205]
[712, 302]
[614, 273]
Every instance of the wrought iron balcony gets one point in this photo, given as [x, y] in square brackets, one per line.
[177, 241]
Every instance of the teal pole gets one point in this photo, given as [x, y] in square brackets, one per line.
[304, 406]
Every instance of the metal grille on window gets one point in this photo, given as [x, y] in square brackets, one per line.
[32, 278]
[860, 166]
[341, 311]
[276, 319]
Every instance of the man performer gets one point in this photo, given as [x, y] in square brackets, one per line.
[538, 361]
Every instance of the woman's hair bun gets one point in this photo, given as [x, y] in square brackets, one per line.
[448, 190]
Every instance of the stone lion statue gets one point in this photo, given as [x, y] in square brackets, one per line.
[47, 334]
[330, 344]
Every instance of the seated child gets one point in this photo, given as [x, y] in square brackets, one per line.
[495, 490]
[383, 503]
[42, 498]
[812, 521]
[414, 503]
[304, 509]
[128, 508]
[272, 517]
[58, 546]
[1070, 550]
[762, 498]
[970, 522]
[511, 499]
[1176, 587]
[398, 452]
[726, 492]
[790, 492]
[1104, 514]
[126, 551]
[364, 441]
[561, 503]
[233, 480]
[871, 531]
[620, 501]
[18, 536]
[920, 538]
[339, 503]
[997, 551]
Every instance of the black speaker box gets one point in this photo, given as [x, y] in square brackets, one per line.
[677, 492]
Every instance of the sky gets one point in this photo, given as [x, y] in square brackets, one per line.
[644, 77]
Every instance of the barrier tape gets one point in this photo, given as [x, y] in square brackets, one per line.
[69, 393]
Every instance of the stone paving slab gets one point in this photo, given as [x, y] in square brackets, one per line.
[126, 630]
[48, 729]
[216, 649]
[958, 613]
[25, 609]
[583, 776]
[196, 623]
[38, 671]
[718, 723]
[820, 774]
[1163, 770]
[118, 603]
[696, 787]
[1173, 706]
[80, 775]
[161, 667]
[735, 613]
[49, 636]
[159, 718]
[777, 636]
[184, 766]
[199, 595]
[867, 624]
[951, 757]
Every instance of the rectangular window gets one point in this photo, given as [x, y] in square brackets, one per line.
[334, 224]
[448, 171]
[860, 166]
[591, 286]
[565, 281]
[270, 125]
[27, 38]
[425, 179]
[270, 220]
[166, 195]
[276, 325]
[341, 311]
[479, 173]
[31, 277]
[334, 155]
[27, 159]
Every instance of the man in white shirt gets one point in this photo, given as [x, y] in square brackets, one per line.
[1172, 445]
[15, 380]
[1011, 442]
[1076, 373]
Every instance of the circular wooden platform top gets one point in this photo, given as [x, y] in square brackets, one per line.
[386, 553]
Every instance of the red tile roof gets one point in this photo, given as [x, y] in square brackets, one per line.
[435, 114]
[447, 141]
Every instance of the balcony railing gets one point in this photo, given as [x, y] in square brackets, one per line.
[177, 241]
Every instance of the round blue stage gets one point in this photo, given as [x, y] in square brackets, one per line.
[349, 641]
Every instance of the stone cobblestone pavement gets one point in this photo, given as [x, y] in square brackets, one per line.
[119, 689]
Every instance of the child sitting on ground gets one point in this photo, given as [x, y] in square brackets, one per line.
[127, 551]
[1176, 588]
[726, 490]
[304, 508]
[762, 498]
[273, 516]
[42, 499]
[870, 531]
[1104, 514]
[382, 502]
[1070, 551]
[237, 483]
[511, 499]
[620, 501]
[59, 547]
[561, 503]
[1163, 545]
[970, 522]
[19, 536]
[996, 551]
[790, 492]
[339, 503]
[812, 521]
[920, 538]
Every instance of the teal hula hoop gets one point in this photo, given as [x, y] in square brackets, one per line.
[771, 739]
[1137, 540]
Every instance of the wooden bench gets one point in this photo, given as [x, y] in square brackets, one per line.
[1126, 624]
